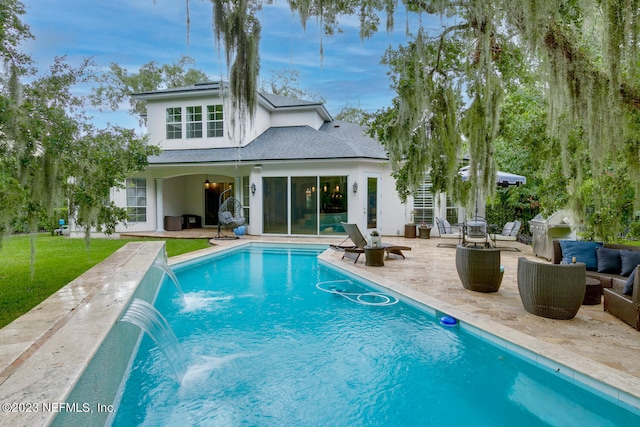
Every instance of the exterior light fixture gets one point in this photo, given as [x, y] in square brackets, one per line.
[355, 187]
[207, 184]
[253, 189]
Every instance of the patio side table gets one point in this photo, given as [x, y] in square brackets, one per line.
[410, 231]
[593, 292]
[374, 256]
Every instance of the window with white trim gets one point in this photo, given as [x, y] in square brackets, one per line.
[215, 128]
[136, 199]
[194, 122]
[174, 123]
[423, 203]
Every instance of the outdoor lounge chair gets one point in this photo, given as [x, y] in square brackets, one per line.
[447, 230]
[229, 215]
[509, 232]
[359, 242]
[479, 269]
[551, 290]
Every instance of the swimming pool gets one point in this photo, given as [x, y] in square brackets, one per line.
[264, 346]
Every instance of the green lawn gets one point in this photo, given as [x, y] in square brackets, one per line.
[59, 260]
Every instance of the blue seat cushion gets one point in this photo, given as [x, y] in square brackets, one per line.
[583, 251]
[609, 260]
[630, 259]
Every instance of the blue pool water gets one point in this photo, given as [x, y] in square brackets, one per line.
[263, 346]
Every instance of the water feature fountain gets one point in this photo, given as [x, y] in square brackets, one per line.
[162, 265]
[147, 318]
[75, 336]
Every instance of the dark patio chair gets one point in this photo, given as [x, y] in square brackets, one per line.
[551, 290]
[479, 269]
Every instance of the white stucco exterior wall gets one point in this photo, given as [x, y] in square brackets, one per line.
[182, 184]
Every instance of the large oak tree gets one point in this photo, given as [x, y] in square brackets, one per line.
[50, 153]
[453, 81]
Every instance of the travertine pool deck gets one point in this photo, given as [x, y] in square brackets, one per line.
[593, 344]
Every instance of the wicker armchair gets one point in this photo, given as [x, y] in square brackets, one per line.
[479, 269]
[551, 290]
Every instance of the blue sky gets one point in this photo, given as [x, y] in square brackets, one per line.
[134, 32]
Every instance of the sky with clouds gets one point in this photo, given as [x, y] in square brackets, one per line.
[134, 32]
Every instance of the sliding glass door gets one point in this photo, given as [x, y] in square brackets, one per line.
[333, 204]
[304, 205]
[275, 205]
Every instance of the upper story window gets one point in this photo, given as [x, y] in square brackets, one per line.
[174, 123]
[214, 121]
[194, 122]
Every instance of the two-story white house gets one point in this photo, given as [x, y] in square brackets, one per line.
[295, 169]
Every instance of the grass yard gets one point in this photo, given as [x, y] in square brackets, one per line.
[59, 260]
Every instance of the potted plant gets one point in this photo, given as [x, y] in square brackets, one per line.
[375, 239]
[424, 230]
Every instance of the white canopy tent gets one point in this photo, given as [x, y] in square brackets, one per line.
[503, 179]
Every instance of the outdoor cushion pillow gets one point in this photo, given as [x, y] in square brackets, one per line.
[583, 251]
[628, 287]
[506, 230]
[440, 226]
[629, 261]
[447, 227]
[516, 228]
[608, 260]
[226, 217]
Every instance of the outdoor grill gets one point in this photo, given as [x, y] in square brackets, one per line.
[557, 226]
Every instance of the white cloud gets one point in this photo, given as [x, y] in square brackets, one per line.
[134, 32]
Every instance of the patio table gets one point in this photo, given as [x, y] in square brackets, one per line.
[374, 256]
[593, 292]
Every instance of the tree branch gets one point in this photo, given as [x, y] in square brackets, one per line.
[443, 35]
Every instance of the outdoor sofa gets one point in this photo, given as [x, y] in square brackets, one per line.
[615, 268]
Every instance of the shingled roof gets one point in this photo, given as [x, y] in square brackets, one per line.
[268, 99]
[334, 140]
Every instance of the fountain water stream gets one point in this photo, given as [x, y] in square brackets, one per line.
[162, 265]
[151, 321]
